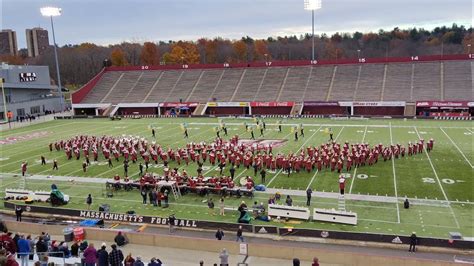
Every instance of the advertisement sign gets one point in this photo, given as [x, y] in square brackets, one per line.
[272, 104]
[464, 104]
[227, 104]
[178, 105]
[378, 104]
[448, 114]
[319, 103]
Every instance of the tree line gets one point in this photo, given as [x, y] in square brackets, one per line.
[80, 62]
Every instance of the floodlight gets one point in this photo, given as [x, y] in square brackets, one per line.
[312, 4]
[50, 11]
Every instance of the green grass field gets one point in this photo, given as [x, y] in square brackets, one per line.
[440, 183]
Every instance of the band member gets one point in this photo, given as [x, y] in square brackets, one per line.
[55, 165]
[43, 160]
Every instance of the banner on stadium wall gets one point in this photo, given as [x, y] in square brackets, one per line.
[319, 103]
[438, 114]
[378, 104]
[178, 105]
[272, 104]
[444, 104]
[227, 104]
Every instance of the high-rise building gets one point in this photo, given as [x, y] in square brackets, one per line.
[8, 43]
[37, 41]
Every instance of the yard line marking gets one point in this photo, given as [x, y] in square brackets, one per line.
[355, 169]
[312, 179]
[273, 178]
[394, 175]
[437, 178]
[302, 145]
[455, 145]
[237, 177]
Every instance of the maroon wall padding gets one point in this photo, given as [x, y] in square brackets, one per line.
[387, 110]
[176, 109]
[140, 110]
[227, 110]
[87, 111]
[324, 110]
[271, 110]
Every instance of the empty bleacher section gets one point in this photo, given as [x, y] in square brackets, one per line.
[295, 84]
[206, 85]
[426, 81]
[227, 84]
[160, 91]
[397, 81]
[458, 80]
[318, 83]
[370, 83]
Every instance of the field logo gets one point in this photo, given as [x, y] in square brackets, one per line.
[15, 139]
[325, 234]
[275, 143]
[397, 240]
[262, 231]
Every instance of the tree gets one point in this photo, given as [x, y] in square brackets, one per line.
[240, 51]
[261, 49]
[149, 55]
[118, 57]
[183, 52]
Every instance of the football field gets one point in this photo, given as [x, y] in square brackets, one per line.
[439, 184]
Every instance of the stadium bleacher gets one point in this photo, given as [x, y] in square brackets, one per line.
[436, 80]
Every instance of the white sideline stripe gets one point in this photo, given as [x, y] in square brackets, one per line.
[355, 169]
[455, 145]
[394, 175]
[437, 178]
[390, 222]
[21, 132]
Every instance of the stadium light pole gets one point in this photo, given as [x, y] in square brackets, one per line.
[312, 5]
[469, 49]
[54, 12]
[358, 54]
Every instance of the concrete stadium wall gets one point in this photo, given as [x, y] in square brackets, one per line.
[255, 249]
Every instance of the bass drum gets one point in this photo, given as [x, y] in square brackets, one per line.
[243, 180]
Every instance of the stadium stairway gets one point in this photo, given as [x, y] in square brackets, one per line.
[297, 109]
[199, 109]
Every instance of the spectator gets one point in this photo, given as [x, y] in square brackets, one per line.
[46, 238]
[7, 242]
[289, 201]
[296, 262]
[23, 250]
[315, 262]
[129, 260]
[413, 242]
[240, 234]
[115, 256]
[83, 245]
[64, 249]
[32, 247]
[7, 258]
[102, 256]
[42, 249]
[90, 255]
[138, 262]
[219, 234]
[155, 262]
[224, 257]
[120, 239]
[75, 250]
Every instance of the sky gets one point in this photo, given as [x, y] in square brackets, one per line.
[113, 21]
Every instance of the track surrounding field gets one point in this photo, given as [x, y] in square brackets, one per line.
[439, 183]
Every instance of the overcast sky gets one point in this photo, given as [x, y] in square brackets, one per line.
[113, 21]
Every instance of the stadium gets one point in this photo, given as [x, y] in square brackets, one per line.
[351, 160]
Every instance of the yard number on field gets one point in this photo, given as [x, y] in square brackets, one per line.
[360, 176]
[444, 180]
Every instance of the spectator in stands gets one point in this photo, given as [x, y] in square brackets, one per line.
[155, 262]
[75, 249]
[7, 242]
[7, 258]
[32, 246]
[129, 260]
[90, 255]
[23, 250]
[46, 237]
[120, 239]
[84, 244]
[102, 256]
[315, 262]
[41, 248]
[64, 249]
[138, 262]
[224, 257]
[289, 201]
[296, 262]
[115, 256]
[219, 234]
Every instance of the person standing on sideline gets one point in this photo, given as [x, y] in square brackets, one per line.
[55, 165]
[43, 160]
[89, 201]
[342, 184]
[210, 205]
[18, 212]
[224, 257]
[263, 173]
[240, 234]
[24, 166]
[219, 234]
[23, 250]
[309, 191]
[413, 242]
[221, 207]
[330, 135]
[186, 133]
[153, 132]
[301, 130]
